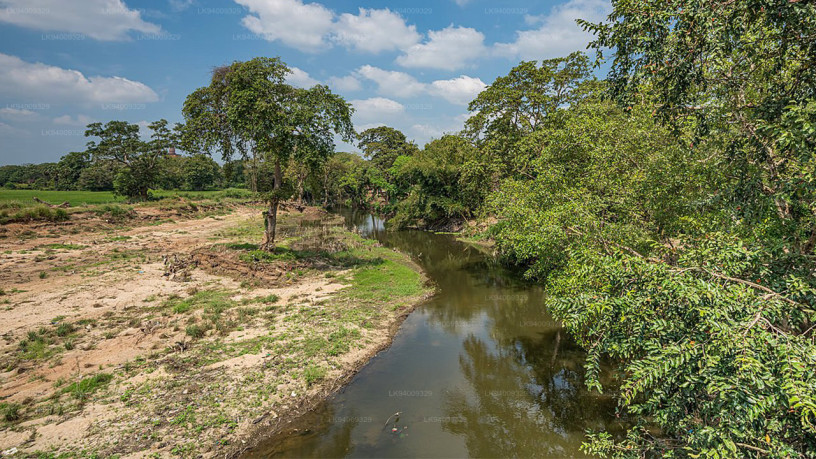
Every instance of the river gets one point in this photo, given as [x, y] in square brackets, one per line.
[478, 370]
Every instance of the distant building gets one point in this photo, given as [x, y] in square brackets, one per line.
[172, 153]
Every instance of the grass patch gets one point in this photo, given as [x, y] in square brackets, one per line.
[196, 331]
[75, 198]
[115, 212]
[313, 374]
[31, 214]
[84, 388]
[341, 340]
[10, 411]
[215, 301]
[61, 247]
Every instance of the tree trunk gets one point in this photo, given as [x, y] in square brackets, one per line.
[300, 189]
[272, 212]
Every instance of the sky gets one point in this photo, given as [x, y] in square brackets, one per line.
[413, 65]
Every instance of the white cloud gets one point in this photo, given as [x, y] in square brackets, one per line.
[348, 83]
[180, 5]
[312, 27]
[372, 110]
[300, 78]
[425, 132]
[11, 131]
[558, 34]
[391, 83]
[46, 82]
[458, 91]
[375, 31]
[10, 113]
[98, 19]
[292, 22]
[68, 120]
[447, 49]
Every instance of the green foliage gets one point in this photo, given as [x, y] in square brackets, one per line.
[434, 186]
[520, 103]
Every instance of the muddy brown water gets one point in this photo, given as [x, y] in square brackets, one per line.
[478, 370]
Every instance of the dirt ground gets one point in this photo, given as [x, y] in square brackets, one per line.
[158, 336]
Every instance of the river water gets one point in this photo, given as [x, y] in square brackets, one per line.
[478, 370]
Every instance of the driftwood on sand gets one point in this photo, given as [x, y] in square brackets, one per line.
[64, 205]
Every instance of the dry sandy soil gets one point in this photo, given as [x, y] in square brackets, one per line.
[155, 337]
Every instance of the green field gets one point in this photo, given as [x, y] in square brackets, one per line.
[83, 198]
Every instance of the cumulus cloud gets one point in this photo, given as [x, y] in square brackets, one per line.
[312, 27]
[348, 83]
[448, 49]
[458, 91]
[68, 120]
[374, 31]
[557, 34]
[391, 83]
[300, 78]
[372, 110]
[303, 26]
[46, 82]
[10, 113]
[425, 132]
[97, 19]
[11, 131]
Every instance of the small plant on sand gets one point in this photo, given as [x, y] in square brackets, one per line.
[10, 411]
[64, 329]
[313, 374]
[81, 390]
[195, 331]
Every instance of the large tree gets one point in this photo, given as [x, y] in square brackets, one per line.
[520, 103]
[248, 106]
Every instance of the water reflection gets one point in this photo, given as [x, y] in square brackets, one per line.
[480, 370]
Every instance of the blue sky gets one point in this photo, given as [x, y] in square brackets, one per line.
[412, 65]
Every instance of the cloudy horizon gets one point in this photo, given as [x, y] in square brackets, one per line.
[411, 66]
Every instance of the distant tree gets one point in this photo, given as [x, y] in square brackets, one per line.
[70, 168]
[200, 173]
[99, 176]
[433, 186]
[383, 145]
[119, 141]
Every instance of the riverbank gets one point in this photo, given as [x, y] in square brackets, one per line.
[175, 336]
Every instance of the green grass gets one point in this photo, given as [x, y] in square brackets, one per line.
[10, 411]
[61, 247]
[84, 388]
[75, 198]
[381, 282]
[10, 212]
[81, 198]
[313, 374]
[213, 301]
